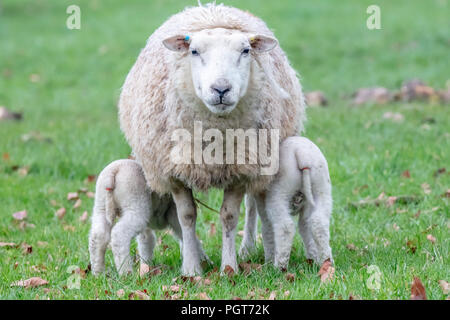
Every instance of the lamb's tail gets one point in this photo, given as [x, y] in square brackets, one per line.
[110, 205]
[306, 180]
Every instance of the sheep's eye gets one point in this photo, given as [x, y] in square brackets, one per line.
[194, 52]
[246, 51]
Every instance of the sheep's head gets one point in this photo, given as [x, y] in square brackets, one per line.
[220, 61]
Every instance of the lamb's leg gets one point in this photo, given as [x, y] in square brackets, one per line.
[99, 237]
[308, 240]
[187, 217]
[128, 226]
[266, 229]
[229, 214]
[278, 211]
[172, 220]
[319, 224]
[249, 239]
[146, 241]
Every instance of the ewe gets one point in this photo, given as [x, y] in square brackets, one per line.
[301, 187]
[121, 192]
[222, 67]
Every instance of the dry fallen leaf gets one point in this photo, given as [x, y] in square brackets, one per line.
[315, 99]
[83, 217]
[42, 244]
[120, 293]
[175, 288]
[61, 212]
[143, 269]
[426, 188]
[418, 290]
[326, 271]
[406, 174]
[228, 270]
[290, 277]
[72, 196]
[90, 194]
[21, 215]
[30, 283]
[68, 227]
[203, 296]
[272, 295]
[248, 267]
[139, 295]
[8, 244]
[212, 229]
[77, 204]
[351, 247]
[377, 95]
[444, 286]
[431, 238]
[5, 114]
[26, 248]
[394, 116]
[240, 233]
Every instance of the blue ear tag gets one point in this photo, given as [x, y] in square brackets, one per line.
[186, 38]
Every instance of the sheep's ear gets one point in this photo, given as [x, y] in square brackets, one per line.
[177, 43]
[262, 43]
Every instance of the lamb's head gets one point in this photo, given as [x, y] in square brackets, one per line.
[220, 61]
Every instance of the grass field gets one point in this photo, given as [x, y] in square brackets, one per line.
[66, 83]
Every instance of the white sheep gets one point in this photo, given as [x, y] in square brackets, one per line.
[301, 187]
[122, 192]
[223, 67]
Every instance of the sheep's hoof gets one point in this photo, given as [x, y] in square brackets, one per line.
[192, 271]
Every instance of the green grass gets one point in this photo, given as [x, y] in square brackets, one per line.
[74, 104]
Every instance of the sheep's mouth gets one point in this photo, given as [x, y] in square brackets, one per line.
[221, 108]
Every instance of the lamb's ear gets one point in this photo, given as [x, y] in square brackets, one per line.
[177, 43]
[262, 43]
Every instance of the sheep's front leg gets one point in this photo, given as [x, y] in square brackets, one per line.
[249, 241]
[229, 214]
[187, 216]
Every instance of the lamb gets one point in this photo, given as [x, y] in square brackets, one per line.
[222, 67]
[122, 192]
[301, 187]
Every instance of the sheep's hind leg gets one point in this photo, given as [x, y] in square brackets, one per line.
[319, 225]
[187, 217]
[248, 243]
[229, 214]
[146, 241]
[99, 237]
[266, 229]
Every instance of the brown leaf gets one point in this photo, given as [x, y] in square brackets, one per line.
[444, 286]
[439, 171]
[431, 238]
[8, 244]
[175, 288]
[426, 188]
[412, 248]
[90, 178]
[68, 227]
[290, 277]
[73, 196]
[6, 114]
[90, 194]
[351, 247]
[83, 217]
[77, 204]
[26, 248]
[143, 269]
[212, 229]
[377, 95]
[394, 116]
[42, 244]
[326, 271]
[247, 268]
[138, 294]
[236, 298]
[272, 295]
[240, 233]
[418, 290]
[20, 215]
[353, 297]
[315, 99]
[446, 194]
[228, 270]
[203, 296]
[30, 283]
[120, 293]
[406, 174]
[61, 212]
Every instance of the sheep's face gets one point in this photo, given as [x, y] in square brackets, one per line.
[220, 61]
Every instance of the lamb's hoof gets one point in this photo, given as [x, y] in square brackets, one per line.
[282, 265]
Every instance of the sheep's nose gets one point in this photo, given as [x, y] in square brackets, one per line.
[221, 86]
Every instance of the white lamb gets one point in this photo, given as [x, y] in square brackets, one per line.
[302, 186]
[122, 192]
